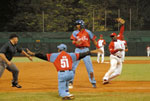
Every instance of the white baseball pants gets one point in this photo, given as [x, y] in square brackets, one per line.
[100, 54]
[115, 68]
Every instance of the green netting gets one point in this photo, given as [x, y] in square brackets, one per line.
[48, 41]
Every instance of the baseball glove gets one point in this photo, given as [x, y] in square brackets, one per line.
[120, 20]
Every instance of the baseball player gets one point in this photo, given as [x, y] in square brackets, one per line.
[81, 39]
[101, 43]
[7, 52]
[148, 50]
[116, 48]
[63, 62]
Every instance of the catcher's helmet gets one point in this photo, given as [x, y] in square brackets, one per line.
[80, 22]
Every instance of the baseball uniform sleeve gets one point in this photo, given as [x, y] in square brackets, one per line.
[91, 35]
[111, 48]
[52, 57]
[73, 37]
[120, 36]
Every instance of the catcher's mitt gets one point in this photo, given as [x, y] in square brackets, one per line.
[120, 20]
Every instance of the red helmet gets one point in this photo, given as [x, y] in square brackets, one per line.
[101, 35]
[113, 34]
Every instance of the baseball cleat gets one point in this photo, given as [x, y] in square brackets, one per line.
[105, 82]
[70, 94]
[94, 85]
[70, 85]
[68, 98]
[16, 85]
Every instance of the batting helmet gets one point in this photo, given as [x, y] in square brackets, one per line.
[62, 47]
[113, 34]
[80, 22]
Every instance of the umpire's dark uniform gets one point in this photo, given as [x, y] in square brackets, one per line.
[9, 50]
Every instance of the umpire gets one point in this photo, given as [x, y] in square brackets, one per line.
[7, 51]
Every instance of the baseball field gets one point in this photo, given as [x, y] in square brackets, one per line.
[39, 81]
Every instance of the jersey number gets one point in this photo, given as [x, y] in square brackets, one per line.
[64, 63]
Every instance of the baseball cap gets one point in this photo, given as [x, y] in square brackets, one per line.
[101, 35]
[113, 34]
[62, 47]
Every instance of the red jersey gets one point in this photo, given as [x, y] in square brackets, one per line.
[83, 36]
[63, 60]
[114, 46]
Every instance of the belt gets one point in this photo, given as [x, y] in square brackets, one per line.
[64, 70]
[118, 56]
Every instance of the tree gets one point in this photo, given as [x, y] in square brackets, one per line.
[60, 15]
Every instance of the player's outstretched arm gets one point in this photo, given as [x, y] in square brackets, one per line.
[38, 55]
[82, 55]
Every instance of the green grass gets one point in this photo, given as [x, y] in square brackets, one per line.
[53, 96]
[135, 72]
[137, 58]
[127, 58]
[24, 59]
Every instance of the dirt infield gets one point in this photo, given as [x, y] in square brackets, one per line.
[42, 77]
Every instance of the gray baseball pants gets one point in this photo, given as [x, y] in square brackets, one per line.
[12, 68]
